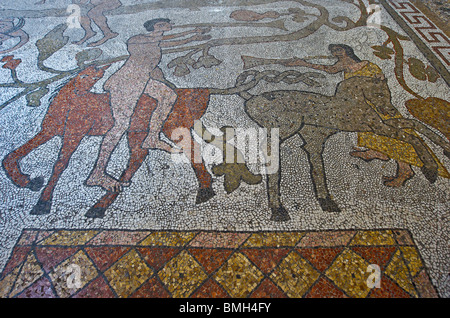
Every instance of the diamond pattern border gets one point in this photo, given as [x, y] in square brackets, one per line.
[208, 264]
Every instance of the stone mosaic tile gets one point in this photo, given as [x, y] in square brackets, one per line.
[274, 239]
[127, 274]
[294, 275]
[238, 276]
[311, 138]
[348, 273]
[118, 238]
[168, 239]
[398, 271]
[182, 275]
[212, 239]
[72, 274]
[84, 270]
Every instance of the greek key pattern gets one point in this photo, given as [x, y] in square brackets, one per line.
[425, 29]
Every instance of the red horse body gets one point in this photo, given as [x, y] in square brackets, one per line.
[76, 112]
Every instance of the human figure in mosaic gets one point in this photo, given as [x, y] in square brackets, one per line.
[378, 147]
[97, 16]
[139, 75]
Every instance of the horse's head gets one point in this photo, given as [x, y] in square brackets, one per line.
[374, 90]
[87, 78]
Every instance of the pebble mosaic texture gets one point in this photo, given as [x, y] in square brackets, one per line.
[197, 149]
[117, 263]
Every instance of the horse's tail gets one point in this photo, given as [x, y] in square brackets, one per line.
[243, 85]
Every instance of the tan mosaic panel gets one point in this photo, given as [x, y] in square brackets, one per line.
[8, 282]
[274, 239]
[398, 271]
[62, 276]
[168, 239]
[412, 258]
[384, 237]
[68, 238]
[294, 275]
[127, 274]
[30, 272]
[182, 275]
[349, 272]
[238, 276]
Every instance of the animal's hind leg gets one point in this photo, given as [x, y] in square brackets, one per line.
[11, 162]
[314, 139]
[70, 144]
[403, 123]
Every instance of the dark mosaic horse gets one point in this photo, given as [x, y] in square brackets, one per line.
[355, 107]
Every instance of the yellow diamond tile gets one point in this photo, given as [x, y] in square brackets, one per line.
[72, 274]
[412, 259]
[68, 238]
[238, 276]
[182, 275]
[7, 282]
[31, 271]
[399, 272]
[274, 239]
[294, 275]
[384, 237]
[168, 238]
[128, 274]
[349, 273]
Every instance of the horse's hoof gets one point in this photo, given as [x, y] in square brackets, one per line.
[430, 174]
[42, 207]
[95, 213]
[280, 215]
[204, 195]
[35, 184]
[328, 205]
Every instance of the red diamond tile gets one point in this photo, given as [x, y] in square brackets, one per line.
[210, 289]
[321, 258]
[105, 256]
[267, 289]
[376, 255]
[266, 259]
[388, 289]
[96, 289]
[323, 288]
[151, 289]
[18, 256]
[210, 259]
[157, 257]
[40, 289]
[51, 256]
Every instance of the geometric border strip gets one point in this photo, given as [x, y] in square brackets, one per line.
[427, 30]
[430, 40]
[208, 264]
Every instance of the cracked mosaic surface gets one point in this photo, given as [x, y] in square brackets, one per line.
[93, 204]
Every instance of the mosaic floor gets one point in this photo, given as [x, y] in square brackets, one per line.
[214, 265]
[232, 149]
